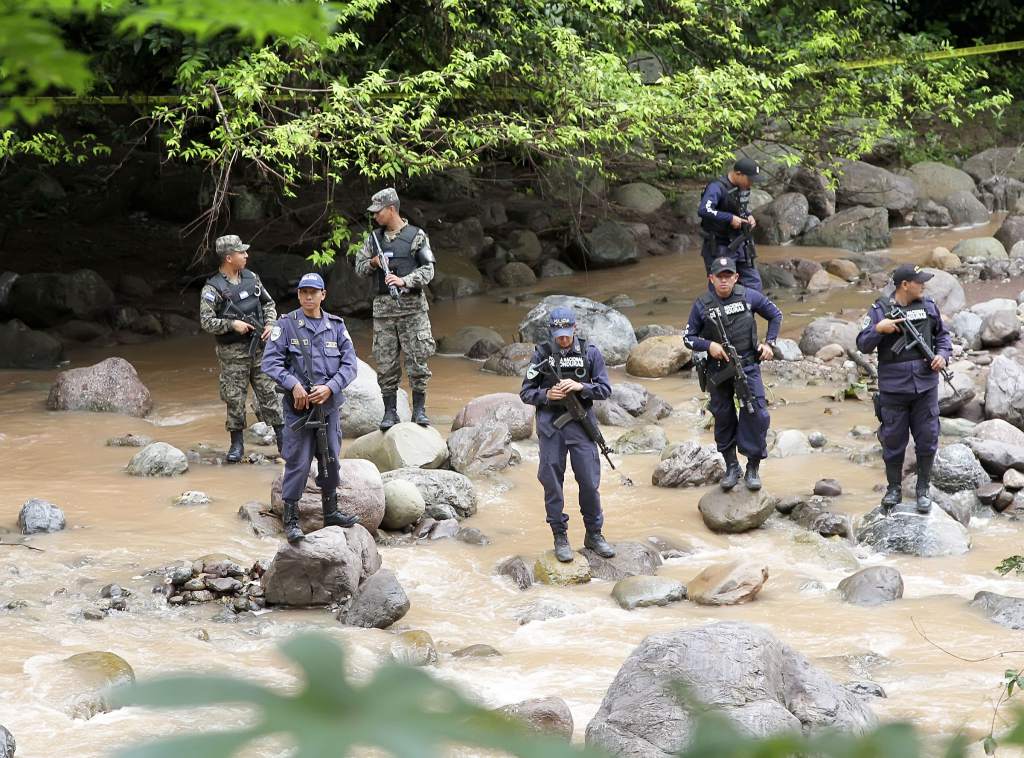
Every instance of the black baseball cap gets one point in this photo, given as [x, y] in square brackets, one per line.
[723, 264]
[907, 272]
[749, 168]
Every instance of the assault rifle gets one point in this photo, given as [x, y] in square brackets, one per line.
[574, 411]
[396, 293]
[912, 338]
[741, 247]
[256, 324]
[735, 364]
[315, 419]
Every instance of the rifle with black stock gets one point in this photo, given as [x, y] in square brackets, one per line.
[735, 363]
[256, 324]
[574, 410]
[912, 337]
[741, 248]
[396, 293]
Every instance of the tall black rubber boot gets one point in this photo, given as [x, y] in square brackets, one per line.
[279, 437]
[292, 531]
[419, 409]
[237, 449]
[332, 516]
[390, 413]
[752, 477]
[894, 485]
[924, 480]
[733, 472]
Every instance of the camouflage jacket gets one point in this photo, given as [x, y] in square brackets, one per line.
[385, 305]
[210, 306]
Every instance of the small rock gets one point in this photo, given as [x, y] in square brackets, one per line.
[828, 488]
[790, 442]
[549, 570]
[158, 459]
[865, 689]
[727, 583]
[1002, 609]
[631, 559]
[379, 603]
[129, 440]
[872, 586]
[544, 609]
[403, 504]
[476, 651]
[548, 715]
[1013, 479]
[515, 568]
[192, 497]
[413, 648]
[735, 511]
[641, 440]
[817, 440]
[39, 516]
[472, 536]
[643, 591]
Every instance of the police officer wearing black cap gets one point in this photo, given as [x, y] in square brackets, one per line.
[736, 305]
[908, 383]
[568, 364]
[726, 222]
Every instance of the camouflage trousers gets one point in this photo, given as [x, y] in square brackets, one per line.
[237, 372]
[410, 335]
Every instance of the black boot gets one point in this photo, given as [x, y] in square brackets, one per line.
[332, 516]
[751, 478]
[596, 542]
[279, 436]
[419, 411]
[894, 485]
[562, 550]
[924, 480]
[292, 532]
[390, 413]
[237, 449]
[733, 472]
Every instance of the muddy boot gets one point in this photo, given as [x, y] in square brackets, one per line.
[332, 516]
[924, 480]
[279, 437]
[419, 410]
[390, 413]
[596, 542]
[894, 486]
[751, 478]
[237, 449]
[733, 472]
[562, 550]
[292, 532]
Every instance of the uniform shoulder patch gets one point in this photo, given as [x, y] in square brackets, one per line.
[210, 297]
[275, 332]
[866, 321]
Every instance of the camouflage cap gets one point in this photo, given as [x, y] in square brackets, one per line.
[384, 198]
[230, 243]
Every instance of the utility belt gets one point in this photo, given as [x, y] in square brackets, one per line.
[706, 376]
[741, 249]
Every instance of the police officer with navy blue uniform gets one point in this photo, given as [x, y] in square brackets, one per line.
[737, 305]
[908, 383]
[564, 365]
[723, 213]
[311, 357]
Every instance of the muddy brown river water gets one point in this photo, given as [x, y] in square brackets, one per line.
[119, 527]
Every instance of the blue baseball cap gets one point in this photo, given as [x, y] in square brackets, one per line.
[562, 321]
[311, 280]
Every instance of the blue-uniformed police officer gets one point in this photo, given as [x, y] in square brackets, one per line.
[568, 364]
[310, 356]
[908, 383]
[723, 213]
[737, 305]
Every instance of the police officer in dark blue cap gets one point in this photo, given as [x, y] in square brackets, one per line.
[726, 221]
[908, 382]
[311, 357]
[564, 365]
[736, 305]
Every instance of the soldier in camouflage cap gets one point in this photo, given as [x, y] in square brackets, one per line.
[400, 320]
[236, 308]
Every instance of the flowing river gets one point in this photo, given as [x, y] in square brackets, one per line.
[120, 527]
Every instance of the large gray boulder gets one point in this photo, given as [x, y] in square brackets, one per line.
[498, 407]
[158, 459]
[42, 300]
[855, 229]
[609, 244]
[936, 181]
[465, 337]
[360, 494]
[778, 163]
[965, 209]
[782, 219]
[996, 457]
[1004, 391]
[957, 469]
[953, 399]
[484, 449]
[38, 516]
[828, 331]
[447, 494]
[328, 566]
[364, 405]
[740, 670]
[996, 161]
[872, 586]
[1002, 609]
[23, 347]
[999, 328]
[80, 685]
[689, 465]
[511, 360]
[986, 248]
[821, 197]
[1011, 231]
[735, 511]
[110, 386]
[549, 716]
[906, 531]
[944, 288]
[861, 183]
[638, 196]
[645, 591]
[966, 325]
[402, 445]
[603, 326]
[377, 604]
[998, 430]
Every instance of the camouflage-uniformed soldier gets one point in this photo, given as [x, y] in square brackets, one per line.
[400, 320]
[236, 308]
